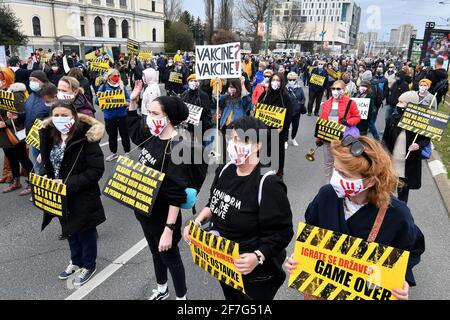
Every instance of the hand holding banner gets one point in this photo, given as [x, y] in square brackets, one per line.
[111, 99]
[48, 195]
[7, 101]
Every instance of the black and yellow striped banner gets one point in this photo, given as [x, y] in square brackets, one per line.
[316, 79]
[272, 116]
[337, 266]
[134, 185]
[33, 136]
[176, 77]
[132, 46]
[99, 65]
[216, 256]
[48, 195]
[111, 99]
[424, 121]
[7, 101]
[329, 130]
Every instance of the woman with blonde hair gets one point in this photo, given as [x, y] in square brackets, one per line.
[69, 90]
[359, 202]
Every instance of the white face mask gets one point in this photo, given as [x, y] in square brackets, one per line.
[292, 83]
[423, 89]
[193, 85]
[276, 85]
[157, 126]
[337, 94]
[346, 188]
[55, 68]
[63, 124]
[362, 90]
[65, 96]
[238, 154]
[232, 91]
[266, 80]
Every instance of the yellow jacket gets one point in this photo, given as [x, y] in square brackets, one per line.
[247, 68]
[178, 57]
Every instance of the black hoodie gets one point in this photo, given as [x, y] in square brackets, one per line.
[398, 88]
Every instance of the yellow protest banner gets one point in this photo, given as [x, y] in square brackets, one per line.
[48, 195]
[316, 79]
[336, 75]
[134, 185]
[329, 130]
[216, 256]
[145, 55]
[132, 46]
[272, 116]
[176, 77]
[337, 266]
[99, 65]
[33, 136]
[7, 101]
[111, 99]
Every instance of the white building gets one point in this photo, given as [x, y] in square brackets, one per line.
[338, 19]
[85, 25]
[401, 36]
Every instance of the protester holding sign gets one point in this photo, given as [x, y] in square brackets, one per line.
[359, 202]
[162, 228]
[252, 210]
[116, 118]
[71, 155]
[340, 109]
[176, 78]
[426, 99]
[399, 142]
[318, 83]
[366, 91]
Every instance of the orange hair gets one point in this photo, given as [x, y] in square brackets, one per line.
[381, 170]
[8, 76]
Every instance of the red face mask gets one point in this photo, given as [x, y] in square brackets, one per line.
[115, 79]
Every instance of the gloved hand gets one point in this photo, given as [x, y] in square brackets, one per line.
[319, 143]
[344, 122]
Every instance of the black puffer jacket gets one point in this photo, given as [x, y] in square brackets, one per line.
[85, 209]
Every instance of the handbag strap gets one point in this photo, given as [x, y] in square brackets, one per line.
[348, 108]
[377, 224]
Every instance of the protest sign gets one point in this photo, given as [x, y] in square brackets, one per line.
[195, 112]
[7, 101]
[176, 77]
[145, 55]
[48, 195]
[363, 105]
[329, 130]
[99, 65]
[223, 61]
[133, 46]
[272, 116]
[317, 80]
[424, 121]
[33, 136]
[111, 99]
[337, 266]
[216, 256]
[134, 185]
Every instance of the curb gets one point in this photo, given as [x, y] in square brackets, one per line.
[439, 173]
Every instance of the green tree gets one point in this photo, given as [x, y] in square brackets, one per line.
[178, 36]
[10, 33]
[199, 32]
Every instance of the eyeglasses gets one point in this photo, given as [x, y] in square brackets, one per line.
[356, 147]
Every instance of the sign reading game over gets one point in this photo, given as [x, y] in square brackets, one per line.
[48, 195]
[336, 266]
[134, 185]
[272, 116]
[329, 130]
[223, 61]
[7, 101]
[424, 121]
[33, 138]
[216, 256]
[111, 99]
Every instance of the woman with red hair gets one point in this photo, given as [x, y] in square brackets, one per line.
[6, 80]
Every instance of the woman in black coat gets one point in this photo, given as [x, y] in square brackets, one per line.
[71, 154]
[401, 142]
[277, 96]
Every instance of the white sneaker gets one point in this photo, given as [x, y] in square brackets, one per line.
[71, 269]
[286, 145]
[112, 157]
[294, 143]
[158, 295]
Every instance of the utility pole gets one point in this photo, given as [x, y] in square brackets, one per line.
[322, 34]
[268, 24]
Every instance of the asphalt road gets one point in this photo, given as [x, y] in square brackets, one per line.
[30, 260]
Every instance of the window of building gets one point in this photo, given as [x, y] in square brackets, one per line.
[123, 3]
[112, 28]
[82, 29]
[153, 6]
[125, 29]
[98, 26]
[110, 3]
[154, 35]
[36, 27]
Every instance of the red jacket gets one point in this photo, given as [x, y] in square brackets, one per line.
[259, 90]
[353, 116]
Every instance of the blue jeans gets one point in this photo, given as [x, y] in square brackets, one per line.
[83, 249]
[372, 124]
[34, 154]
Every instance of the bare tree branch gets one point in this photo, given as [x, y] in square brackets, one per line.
[173, 9]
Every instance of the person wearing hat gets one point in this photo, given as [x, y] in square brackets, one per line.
[157, 137]
[426, 99]
[21, 73]
[71, 154]
[297, 97]
[152, 90]
[390, 75]
[400, 142]
[400, 86]
[259, 77]
[261, 87]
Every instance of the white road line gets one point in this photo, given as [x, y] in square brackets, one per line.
[107, 143]
[436, 168]
[108, 271]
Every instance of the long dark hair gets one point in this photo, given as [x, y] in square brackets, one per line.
[282, 82]
[235, 83]
[56, 135]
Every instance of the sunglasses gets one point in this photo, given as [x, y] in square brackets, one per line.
[356, 147]
[337, 89]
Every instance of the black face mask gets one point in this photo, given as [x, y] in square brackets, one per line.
[400, 110]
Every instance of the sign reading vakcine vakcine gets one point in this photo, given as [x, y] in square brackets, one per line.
[223, 61]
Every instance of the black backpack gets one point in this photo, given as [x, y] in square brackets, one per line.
[441, 88]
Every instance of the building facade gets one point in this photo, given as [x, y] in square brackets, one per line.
[85, 25]
[400, 37]
[337, 20]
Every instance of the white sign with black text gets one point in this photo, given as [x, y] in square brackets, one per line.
[363, 105]
[195, 112]
[223, 61]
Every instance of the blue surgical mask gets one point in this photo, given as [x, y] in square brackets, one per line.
[35, 86]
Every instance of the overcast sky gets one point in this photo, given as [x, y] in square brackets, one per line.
[380, 16]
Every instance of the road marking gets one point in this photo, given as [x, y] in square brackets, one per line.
[108, 271]
[437, 168]
[107, 143]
